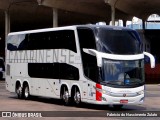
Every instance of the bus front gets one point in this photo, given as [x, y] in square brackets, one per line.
[121, 66]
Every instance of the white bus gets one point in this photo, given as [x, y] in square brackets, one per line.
[95, 64]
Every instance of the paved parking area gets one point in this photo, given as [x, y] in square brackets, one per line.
[10, 102]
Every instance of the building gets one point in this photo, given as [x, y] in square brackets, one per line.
[153, 22]
[18, 15]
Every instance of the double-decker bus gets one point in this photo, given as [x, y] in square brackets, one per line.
[95, 64]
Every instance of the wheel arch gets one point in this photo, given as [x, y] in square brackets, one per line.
[62, 86]
[65, 85]
[26, 82]
[78, 86]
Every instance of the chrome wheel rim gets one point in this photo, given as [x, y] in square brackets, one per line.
[19, 90]
[77, 97]
[26, 93]
[66, 96]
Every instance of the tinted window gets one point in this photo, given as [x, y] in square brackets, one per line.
[68, 72]
[16, 42]
[53, 71]
[64, 39]
[87, 40]
[43, 70]
[118, 41]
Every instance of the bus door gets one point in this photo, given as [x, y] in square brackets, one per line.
[91, 90]
[91, 76]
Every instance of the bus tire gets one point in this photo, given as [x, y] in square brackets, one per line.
[19, 90]
[77, 96]
[25, 92]
[65, 95]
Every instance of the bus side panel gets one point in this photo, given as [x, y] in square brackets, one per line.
[52, 88]
[10, 84]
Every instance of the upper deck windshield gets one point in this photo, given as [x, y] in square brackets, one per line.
[124, 42]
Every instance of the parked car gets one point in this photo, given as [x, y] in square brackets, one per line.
[2, 69]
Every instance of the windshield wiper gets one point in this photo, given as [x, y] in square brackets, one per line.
[111, 82]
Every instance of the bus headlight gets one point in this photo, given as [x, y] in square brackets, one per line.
[106, 92]
[140, 92]
[102, 91]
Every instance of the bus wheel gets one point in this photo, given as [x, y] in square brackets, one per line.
[77, 96]
[117, 106]
[65, 96]
[26, 93]
[19, 91]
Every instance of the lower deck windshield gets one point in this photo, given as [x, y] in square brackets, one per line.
[122, 73]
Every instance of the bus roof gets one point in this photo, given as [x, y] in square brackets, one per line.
[69, 28]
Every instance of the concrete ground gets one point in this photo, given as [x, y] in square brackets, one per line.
[9, 102]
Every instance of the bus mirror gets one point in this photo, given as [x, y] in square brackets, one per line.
[94, 53]
[152, 59]
[89, 51]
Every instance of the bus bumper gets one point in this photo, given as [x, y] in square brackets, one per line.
[107, 100]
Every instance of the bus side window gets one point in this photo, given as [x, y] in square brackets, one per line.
[37, 41]
[87, 40]
[68, 72]
[53, 71]
[24, 43]
[63, 39]
[16, 42]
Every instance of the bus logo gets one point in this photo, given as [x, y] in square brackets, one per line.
[124, 95]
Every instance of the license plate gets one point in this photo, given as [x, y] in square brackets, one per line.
[123, 101]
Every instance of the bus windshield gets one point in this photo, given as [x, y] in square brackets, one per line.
[122, 73]
[124, 42]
